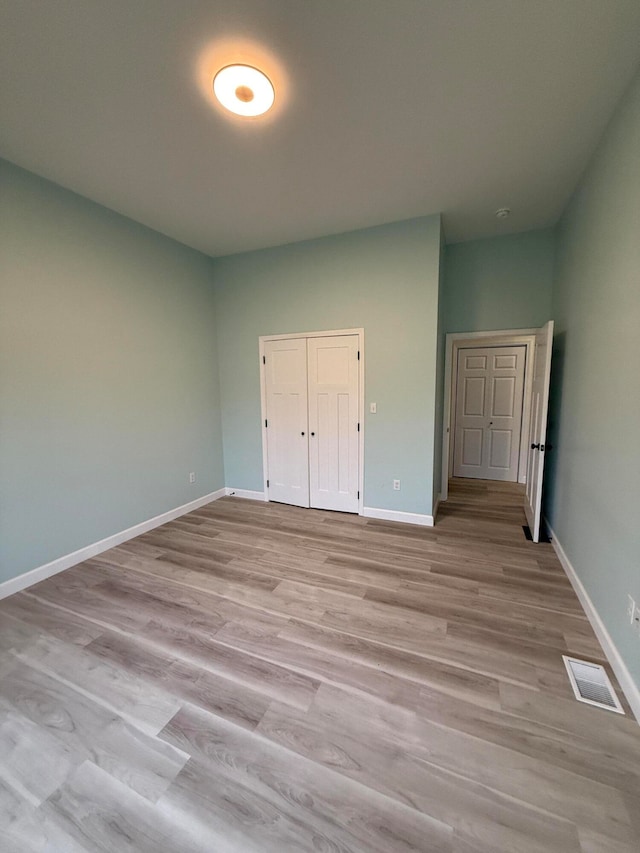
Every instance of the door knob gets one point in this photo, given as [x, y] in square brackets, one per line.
[535, 447]
[313, 433]
[301, 433]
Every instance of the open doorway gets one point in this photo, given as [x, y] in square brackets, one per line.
[495, 411]
[487, 406]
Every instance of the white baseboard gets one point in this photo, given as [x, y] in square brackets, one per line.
[246, 493]
[436, 507]
[630, 689]
[396, 515]
[48, 569]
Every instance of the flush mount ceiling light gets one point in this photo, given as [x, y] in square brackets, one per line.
[503, 212]
[243, 90]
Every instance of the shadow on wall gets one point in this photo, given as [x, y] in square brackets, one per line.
[464, 309]
[555, 418]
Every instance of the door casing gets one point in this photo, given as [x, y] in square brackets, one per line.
[263, 399]
[461, 340]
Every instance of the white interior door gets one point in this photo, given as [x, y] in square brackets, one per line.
[488, 417]
[333, 422]
[286, 415]
[538, 435]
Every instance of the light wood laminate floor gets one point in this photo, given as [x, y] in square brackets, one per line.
[257, 677]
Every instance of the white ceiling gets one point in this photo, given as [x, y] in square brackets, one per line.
[386, 109]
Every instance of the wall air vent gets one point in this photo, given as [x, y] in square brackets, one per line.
[591, 684]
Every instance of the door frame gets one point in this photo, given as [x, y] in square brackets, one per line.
[465, 340]
[263, 400]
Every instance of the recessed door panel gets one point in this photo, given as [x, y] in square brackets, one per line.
[322, 434]
[288, 457]
[504, 400]
[332, 365]
[488, 412]
[472, 447]
[505, 361]
[284, 367]
[474, 395]
[500, 449]
[287, 413]
[333, 422]
[344, 442]
[476, 362]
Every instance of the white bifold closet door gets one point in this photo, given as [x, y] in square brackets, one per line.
[333, 421]
[287, 412]
[312, 428]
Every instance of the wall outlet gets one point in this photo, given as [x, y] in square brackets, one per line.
[192, 477]
[396, 485]
[633, 614]
[373, 408]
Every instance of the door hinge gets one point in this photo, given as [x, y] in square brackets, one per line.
[358, 495]
[358, 355]
[358, 427]
[267, 484]
[266, 423]
[264, 359]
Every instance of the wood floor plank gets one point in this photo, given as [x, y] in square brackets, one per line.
[254, 671]
[15, 634]
[20, 742]
[558, 747]
[41, 617]
[255, 677]
[91, 732]
[100, 813]
[184, 681]
[498, 821]
[147, 705]
[444, 678]
[502, 769]
[20, 825]
[315, 808]
[85, 603]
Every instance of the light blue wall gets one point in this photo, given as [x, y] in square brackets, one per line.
[500, 282]
[108, 374]
[384, 279]
[593, 481]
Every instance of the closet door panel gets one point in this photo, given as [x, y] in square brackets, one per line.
[333, 388]
[287, 412]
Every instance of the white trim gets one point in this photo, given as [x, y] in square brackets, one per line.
[248, 494]
[454, 341]
[436, 507]
[324, 334]
[263, 400]
[495, 333]
[396, 515]
[263, 410]
[362, 423]
[41, 573]
[630, 689]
